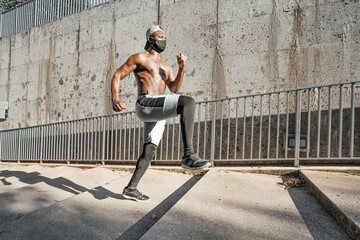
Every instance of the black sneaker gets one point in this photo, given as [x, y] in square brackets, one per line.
[134, 194]
[193, 162]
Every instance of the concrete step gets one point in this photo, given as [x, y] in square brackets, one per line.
[339, 193]
[233, 205]
[42, 190]
[100, 213]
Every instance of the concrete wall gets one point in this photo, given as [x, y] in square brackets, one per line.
[62, 70]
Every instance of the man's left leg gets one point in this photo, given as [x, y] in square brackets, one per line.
[142, 165]
[153, 132]
[186, 109]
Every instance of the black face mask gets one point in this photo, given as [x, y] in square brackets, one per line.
[159, 45]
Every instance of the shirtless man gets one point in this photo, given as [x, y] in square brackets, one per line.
[153, 75]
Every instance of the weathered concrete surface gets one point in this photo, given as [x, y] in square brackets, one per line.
[219, 205]
[245, 206]
[340, 195]
[100, 213]
[62, 70]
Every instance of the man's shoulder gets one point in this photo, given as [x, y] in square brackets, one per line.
[139, 56]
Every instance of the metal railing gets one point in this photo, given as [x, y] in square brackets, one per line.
[38, 12]
[314, 123]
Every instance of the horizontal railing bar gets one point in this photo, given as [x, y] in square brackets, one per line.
[281, 91]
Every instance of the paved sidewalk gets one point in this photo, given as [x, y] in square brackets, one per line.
[221, 204]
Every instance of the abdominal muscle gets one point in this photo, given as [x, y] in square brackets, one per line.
[150, 85]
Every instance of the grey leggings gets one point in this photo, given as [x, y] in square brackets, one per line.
[186, 109]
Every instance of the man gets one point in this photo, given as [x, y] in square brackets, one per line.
[153, 75]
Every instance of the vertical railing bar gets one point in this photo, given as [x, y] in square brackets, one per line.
[1, 133]
[340, 120]
[41, 143]
[236, 127]
[278, 127]
[92, 129]
[69, 124]
[129, 138]
[19, 145]
[244, 130]
[298, 128]
[213, 129]
[120, 135]
[228, 133]
[78, 150]
[205, 126]
[287, 125]
[173, 139]
[221, 128]
[329, 123]
[260, 130]
[134, 137]
[53, 142]
[269, 129]
[125, 129]
[318, 124]
[308, 125]
[352, 121]
[116, 135]
[88, 133]
[139, 139]
[96, 148]
[82, 144]
[198, 133]
[103, 140]
[252, 127]
[112, 138]
[179, 132]
[167, 139]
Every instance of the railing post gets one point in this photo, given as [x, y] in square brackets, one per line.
[16, 20]
[35, 13]
[1, 134]
[58, 10]
[41, 143]
[213, 128]
[297, 128]
[68, 143]
[18, 146]
[1, 20]
[103, 142]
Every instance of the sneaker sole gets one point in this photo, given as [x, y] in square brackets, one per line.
[205, 167]
[135, 199]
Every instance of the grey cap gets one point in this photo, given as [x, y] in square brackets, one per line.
[150, 31]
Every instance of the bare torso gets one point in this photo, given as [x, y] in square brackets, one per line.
[151, 74]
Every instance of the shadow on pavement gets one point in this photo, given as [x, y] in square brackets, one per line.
[59, 182]
[35, 177]
[315, 217]
[137, 230]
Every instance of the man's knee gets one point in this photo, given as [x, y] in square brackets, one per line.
[149, 150]
[185, 101]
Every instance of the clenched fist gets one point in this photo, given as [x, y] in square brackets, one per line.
[181, 59]
[118, 105]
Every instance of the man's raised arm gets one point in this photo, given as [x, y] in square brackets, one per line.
[120, 74]
[175, 84]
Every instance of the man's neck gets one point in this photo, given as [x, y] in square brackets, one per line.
[155, 53]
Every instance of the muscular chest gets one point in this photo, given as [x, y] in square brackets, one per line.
[154, 70]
